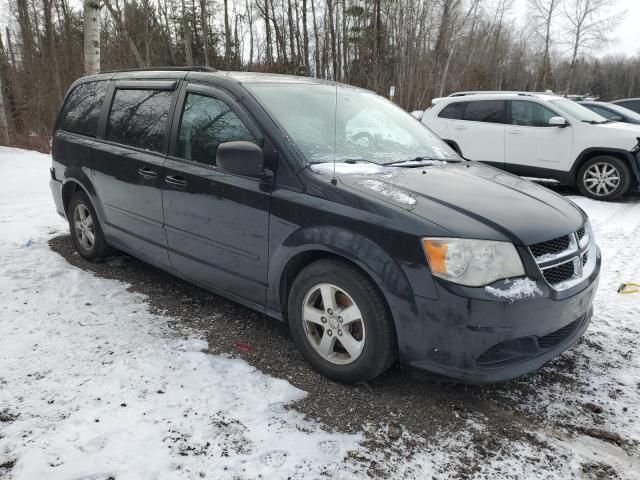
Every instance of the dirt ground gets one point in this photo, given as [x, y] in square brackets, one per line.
[401, 411]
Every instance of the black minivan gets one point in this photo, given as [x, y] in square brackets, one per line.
[329, 208]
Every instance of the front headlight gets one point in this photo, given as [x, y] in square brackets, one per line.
[472, 262]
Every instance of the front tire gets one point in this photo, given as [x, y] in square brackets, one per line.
[86, 232]
[341, 323]
[604, 178]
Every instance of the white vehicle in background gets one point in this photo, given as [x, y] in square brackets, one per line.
[541, 135]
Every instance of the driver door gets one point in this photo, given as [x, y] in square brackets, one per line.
[531, 144]
[216, 222]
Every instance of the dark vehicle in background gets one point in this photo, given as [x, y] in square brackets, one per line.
[630, 103]
[615, 113]
[329, 208]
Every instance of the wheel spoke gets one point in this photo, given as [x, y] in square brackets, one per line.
[90, 237]
[328, 297]
[326, 344]
[350, 314]
[313, 315]
[350, 344]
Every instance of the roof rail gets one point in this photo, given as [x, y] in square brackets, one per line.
[195, 68]
[491, 92]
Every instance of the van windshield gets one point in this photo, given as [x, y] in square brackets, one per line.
[364, 126]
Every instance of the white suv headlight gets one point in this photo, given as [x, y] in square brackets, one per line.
[474, 263]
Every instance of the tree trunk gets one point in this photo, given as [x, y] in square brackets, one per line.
[227, 36]
[117, 18]
[205, 30]
[186, 31]
[317, 39]
[91, 37]
[305, 36]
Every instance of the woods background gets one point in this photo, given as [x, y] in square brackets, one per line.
[426, 48]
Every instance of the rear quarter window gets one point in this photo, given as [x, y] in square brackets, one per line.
[81, 111]
[489, 111]
[453, 111]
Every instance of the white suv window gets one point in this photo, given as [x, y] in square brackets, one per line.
[489, 111]
[530, 114]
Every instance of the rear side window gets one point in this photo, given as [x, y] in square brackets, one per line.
[530, 114]
[82, 109]
[206, 123]
[454, 111]
[490, 111]
[633, 105]
[139, 118]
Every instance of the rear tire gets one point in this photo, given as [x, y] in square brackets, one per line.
[341, 323]
[86, 232]
[604, 178]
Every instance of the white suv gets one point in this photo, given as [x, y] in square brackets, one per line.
[541, 135]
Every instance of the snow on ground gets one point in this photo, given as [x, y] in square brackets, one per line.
[98, 387]
[95, 386]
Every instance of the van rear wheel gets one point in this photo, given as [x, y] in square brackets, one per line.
[340, 322]
[86, 232]
[604, 178]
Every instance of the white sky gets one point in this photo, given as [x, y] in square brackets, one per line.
[625, 39]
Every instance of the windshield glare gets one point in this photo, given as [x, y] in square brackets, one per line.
[577, 111]
[364, 127]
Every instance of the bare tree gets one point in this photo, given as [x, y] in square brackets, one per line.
[543, 13]
[589, 22]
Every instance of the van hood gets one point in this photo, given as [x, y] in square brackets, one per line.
[472, 200]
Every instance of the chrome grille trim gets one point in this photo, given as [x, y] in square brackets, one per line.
[581, 252]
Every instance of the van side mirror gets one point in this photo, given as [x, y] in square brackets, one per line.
[242, 158]
[558, 122]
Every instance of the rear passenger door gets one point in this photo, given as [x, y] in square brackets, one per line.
[128, 167]
[477, 127]
[217, 222]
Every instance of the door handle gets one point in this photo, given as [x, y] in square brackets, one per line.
[146, 172]
[515, 132]
[176, 180]
[459, 127]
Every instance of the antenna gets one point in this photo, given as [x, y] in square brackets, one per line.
[334, 180]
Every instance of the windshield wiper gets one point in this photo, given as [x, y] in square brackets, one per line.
[415, 162]
[595, 122]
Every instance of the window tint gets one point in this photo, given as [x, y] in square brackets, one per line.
[491, 111]
[530, 114]
[139, 117]
[82, 109]
[454, 111]
[633, 105]
[206, 123]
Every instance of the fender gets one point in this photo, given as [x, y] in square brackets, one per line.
[74, 175]
[634, 160]
[385, 272]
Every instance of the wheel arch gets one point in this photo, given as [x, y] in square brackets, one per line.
[308, 245]
[590, 153]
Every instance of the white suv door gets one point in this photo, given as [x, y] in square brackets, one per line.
[477, 126]
[531, 144]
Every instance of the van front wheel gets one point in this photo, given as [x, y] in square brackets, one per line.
[604, 178]
[340, 322]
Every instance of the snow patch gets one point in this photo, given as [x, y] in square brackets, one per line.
[389, 191]
[348, 168]
[518, 290]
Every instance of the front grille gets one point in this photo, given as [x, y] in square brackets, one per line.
[559, 274]
[585, 258]
[580, 233]
[550, 247]
[558, 336]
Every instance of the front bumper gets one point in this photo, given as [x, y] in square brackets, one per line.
[470, 335]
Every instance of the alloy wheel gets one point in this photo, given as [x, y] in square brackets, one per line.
[601, 179]
[84, 226]
[333, 324]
